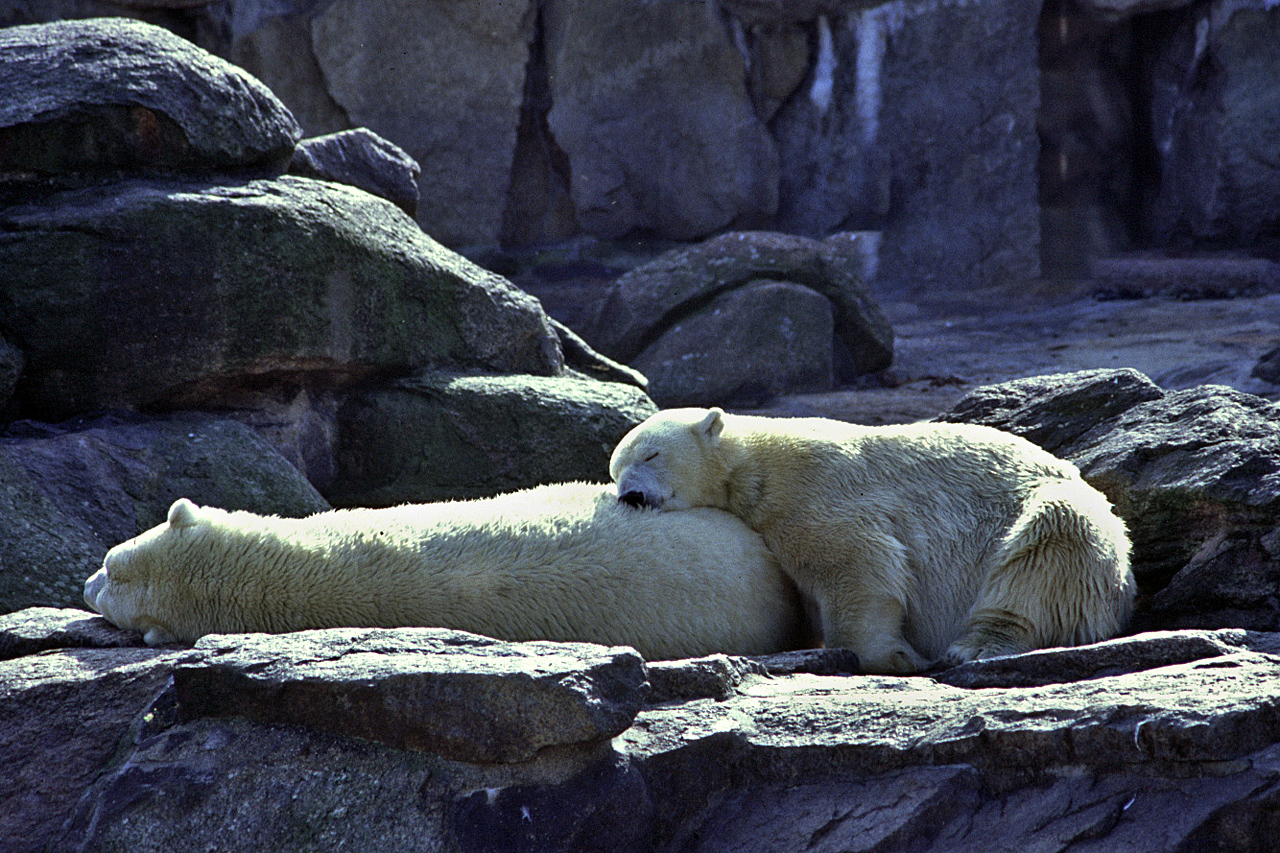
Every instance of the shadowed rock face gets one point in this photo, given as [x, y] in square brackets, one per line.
[465, 743]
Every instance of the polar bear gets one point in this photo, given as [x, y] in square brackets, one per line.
[563, 562]
[918, 544]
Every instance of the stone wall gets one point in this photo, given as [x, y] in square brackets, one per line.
[981, 137]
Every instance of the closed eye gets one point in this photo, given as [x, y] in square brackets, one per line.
[651, 457]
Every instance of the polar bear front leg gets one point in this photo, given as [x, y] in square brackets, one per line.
[863, 606]
[992, 632]
[873, 630]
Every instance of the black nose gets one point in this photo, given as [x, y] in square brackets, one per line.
[634, 499]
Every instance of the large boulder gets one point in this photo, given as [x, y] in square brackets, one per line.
[111, 95]
[1194, 473]
[69, 493]
[1215, 113]
[62, 717]
[111, 306]
[650, 108]
[750, 343]
[446, 741]
[641, 317]
[440, 436]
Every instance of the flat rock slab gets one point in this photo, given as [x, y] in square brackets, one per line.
[457, 695]
[38, 629]
[63, 714]
[1199, 713]
[1185, 278]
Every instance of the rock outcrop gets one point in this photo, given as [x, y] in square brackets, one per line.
[206, 325]
[121, 95]
[300, 279]
[439, 740]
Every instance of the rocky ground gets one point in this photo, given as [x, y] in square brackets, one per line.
[946, 347]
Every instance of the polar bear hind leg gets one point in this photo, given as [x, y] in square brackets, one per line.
[1060, 577]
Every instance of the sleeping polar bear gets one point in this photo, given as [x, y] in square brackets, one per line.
[918, 543]
[563, 562]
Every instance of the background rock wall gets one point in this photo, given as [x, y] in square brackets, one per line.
[985, 138]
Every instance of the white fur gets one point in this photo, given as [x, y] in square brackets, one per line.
[918, 543]
[561, 562]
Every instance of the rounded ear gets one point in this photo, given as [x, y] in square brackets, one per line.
[183, 513]
[712, 425]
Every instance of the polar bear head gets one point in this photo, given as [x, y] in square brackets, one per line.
[145, 581]
[672, 460]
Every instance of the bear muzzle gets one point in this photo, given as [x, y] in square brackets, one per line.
[638, 488]
[93, 588]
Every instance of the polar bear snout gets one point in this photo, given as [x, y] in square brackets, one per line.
[93, 588]
[639, 488]
[635, 499]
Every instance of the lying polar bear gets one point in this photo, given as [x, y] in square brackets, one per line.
[918, 543]
[563, 562]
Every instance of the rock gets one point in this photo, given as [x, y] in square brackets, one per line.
[713, 677]
[452, 436]
[39, 629]
[879, 139]
[752, 342]
[1194, 473]
[63, 715]
[1054, 411]
[235, 786]
[813, 662]
[1268, 367]
[111, 94]
[650, 108]
[777, 64]
[644, 304]
[1161, 741]
[307, 280]
[581, 358]
[1139, 277]
[457, 695]
[766, 12]
[606, 807]
[1116, 10]
[274, 43]
[1195, 476]
[454, 105]
[69, 493]
[1149, 759]
[1099, 660]
[364, 160]
[11, 364]
[1216, 120]
[1086, 127]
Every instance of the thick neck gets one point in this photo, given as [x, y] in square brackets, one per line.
[745, 491]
